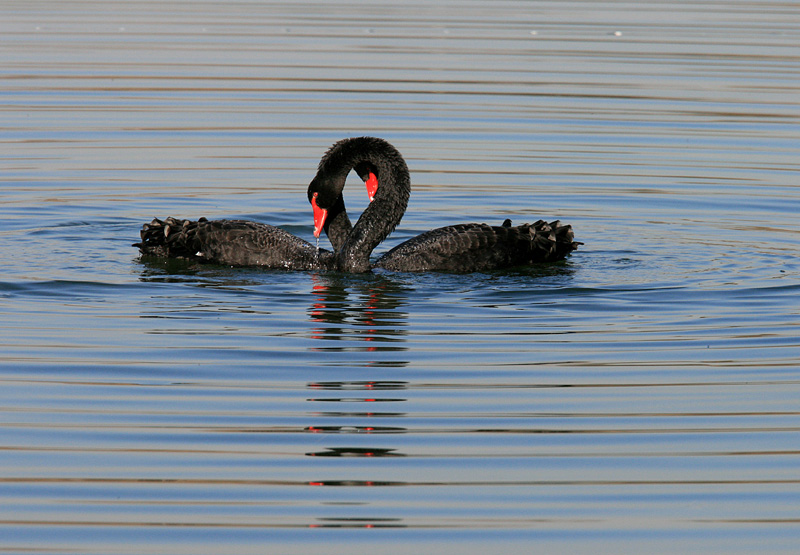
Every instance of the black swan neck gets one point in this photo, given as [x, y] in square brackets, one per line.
[365, 155]
[337, 225]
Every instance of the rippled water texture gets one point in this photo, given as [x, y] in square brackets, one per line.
[640, 397]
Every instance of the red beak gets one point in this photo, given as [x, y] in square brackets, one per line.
[320, 214]
[372, 186]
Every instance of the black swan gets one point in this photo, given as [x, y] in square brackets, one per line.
[243, 243]
[469, 247]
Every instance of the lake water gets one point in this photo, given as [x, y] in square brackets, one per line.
[641, 396]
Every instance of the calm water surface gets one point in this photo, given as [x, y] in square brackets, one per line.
[641, 396]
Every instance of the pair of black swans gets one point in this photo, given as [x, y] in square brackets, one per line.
[457, 248]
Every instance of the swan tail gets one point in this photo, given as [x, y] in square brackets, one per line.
[170, 238]
[550, 241]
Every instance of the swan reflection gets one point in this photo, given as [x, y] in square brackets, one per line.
[359, 308]
[359, 522]
[358, 385]
[355, 429]
[365, 426]
[355, 452]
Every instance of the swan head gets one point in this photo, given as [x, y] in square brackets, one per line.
[368, 173]
[322, 196]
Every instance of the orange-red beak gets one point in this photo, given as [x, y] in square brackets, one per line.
[372, 186]
[320, 214]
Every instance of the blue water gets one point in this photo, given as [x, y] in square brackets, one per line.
[640, 396]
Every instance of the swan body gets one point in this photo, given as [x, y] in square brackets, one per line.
[231, 243]
[480, 247]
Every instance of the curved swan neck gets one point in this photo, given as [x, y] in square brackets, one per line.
[366, 155]
[386, 209]
[337, 225]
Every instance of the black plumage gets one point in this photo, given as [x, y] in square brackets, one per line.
[468, 247]
[231, 242]
[477, 247]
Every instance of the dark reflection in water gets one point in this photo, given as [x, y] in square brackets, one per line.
[357, 385]
[356, 452]
[355, 400]
[381, 414]
[362, 428]
[359, 523]
[355, 429]
[359, 307]
[168, 270]
[357, 483]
